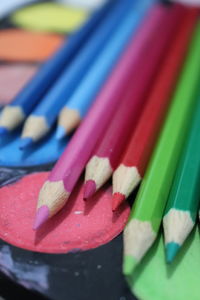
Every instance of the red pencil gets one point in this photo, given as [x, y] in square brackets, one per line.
[107, 154]
[133, 164]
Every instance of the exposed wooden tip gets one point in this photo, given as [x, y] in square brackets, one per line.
[99, 170]
[125, 180]
[35, 128]
[11, 117]
[138, 238]
[177, 226]
[69, 119]
[54, 195]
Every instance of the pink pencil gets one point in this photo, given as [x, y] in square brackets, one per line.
[56, 190]
[107, 154]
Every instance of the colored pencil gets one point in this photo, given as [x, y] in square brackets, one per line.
[146, 215]
[44, 115]
[15, 113]
[135, 159]
[183, 202]
[69, 167]
[88, 88]
[107, 154]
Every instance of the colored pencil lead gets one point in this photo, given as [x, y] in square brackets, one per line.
[98, 170]
[52, 192]
[138, 237]
[180, 219]
[42, 216]
[171, 251]
[117, 200]
[129, 265]
[60, 132]
[35, 128]
[70, 118]
[124, 186]
[89, 189]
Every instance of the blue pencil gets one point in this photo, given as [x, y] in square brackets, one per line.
[78, 105]
[42, 118]
[15, 113]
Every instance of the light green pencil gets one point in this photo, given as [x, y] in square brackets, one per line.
[183, 202]
[147, 212]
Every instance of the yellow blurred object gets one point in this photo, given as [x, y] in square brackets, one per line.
[50, 17]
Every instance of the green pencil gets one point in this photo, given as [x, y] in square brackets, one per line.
[183, 201]
[147, 212]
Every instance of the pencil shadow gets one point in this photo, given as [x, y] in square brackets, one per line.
[118, 212]
[25, 153]
[56, 220]
[132, 196]
[171, 268]
[4, 141]
[92, 201]
[144, 264]
[10, 137]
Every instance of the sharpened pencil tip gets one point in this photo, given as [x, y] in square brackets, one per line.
[89, 189]
[3, 131]
[60, 133]
[171, 251]
[117, 200]
[25, 143]
[42, 216]
[129, 265]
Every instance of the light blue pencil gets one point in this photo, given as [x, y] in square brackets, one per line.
[42, 118]
[81, 100]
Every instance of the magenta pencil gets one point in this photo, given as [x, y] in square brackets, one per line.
[58, 187]
[107, 154]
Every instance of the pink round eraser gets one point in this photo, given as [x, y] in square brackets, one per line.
[80, 225]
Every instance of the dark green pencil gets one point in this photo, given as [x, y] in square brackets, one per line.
[183, 203]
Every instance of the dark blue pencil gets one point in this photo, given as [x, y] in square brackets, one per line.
[15, 113]
[44, 115]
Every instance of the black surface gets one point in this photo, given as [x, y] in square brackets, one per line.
[94, 274]
[9, 290]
